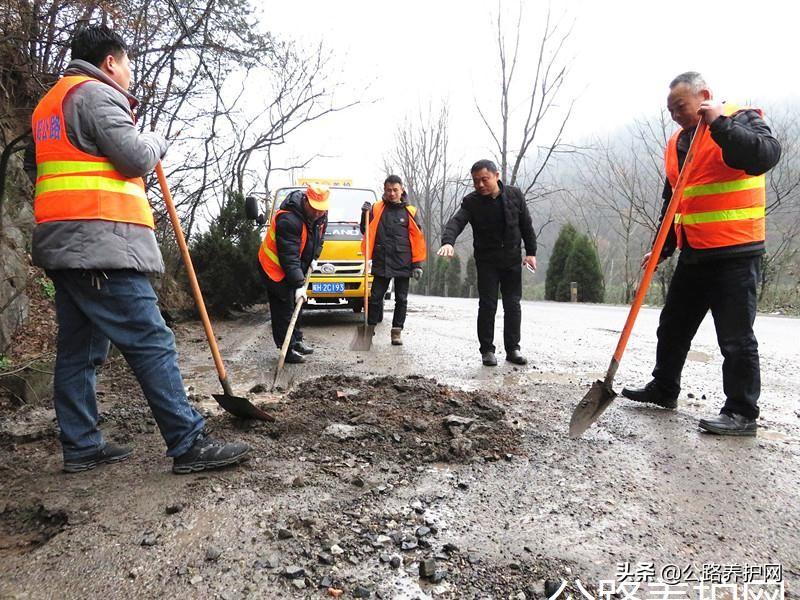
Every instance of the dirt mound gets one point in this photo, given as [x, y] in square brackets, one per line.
[407, 419]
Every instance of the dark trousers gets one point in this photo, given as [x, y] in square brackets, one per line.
[281, 307]
[378, 292]
[508, 281]
[728, 288]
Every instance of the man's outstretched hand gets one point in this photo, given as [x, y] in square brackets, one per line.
[446, 250]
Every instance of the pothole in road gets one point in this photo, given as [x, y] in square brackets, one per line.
[25, 529]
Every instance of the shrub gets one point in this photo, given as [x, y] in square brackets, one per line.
[226, 260]
[558, 260]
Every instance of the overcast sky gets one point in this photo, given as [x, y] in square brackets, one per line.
[416, 53]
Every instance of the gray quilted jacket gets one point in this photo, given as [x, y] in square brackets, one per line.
[98, 121]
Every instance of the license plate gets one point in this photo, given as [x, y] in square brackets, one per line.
[327, 288]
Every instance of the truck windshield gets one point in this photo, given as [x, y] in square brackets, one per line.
[345, 206]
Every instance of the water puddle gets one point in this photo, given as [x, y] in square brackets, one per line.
[696, 356]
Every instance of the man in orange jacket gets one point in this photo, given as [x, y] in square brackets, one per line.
[94, 236]
[397, 250]
[719, 227]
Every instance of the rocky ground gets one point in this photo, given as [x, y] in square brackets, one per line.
[408, 472]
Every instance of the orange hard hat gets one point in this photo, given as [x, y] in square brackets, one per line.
[318, 196]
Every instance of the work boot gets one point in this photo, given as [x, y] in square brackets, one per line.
[110, 453]
[651, 394]
[396, 341]
[208, 453]
[515, 356]
[725, 424]
[293, 357]
[302, 348]
[489, 359]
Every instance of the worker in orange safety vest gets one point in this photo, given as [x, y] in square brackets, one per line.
[397, 251]
[720, 229]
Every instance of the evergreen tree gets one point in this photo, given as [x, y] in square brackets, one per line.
[439, 276]
[583, 267]
[470, 288]
[226, 259]
[558, 259]
[454, 277]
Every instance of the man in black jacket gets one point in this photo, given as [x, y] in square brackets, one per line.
[719, 227]
[397, 251]
[500, 223]
[292, 245]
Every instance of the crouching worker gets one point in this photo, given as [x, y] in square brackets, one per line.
[291, 247]
[94, 236]
[397, 250]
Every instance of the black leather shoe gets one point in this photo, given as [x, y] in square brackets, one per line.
[302, 348]
[110, 453]
[651, 394]
[515, 356]
[294, 358]
[489, 359]
[725, 424]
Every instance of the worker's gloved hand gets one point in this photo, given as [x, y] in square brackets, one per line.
[366, 206]
[300, 295]
[314, 264]
[416, 273]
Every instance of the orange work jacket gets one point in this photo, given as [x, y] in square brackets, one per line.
[268, 252]
[72, 184]
[418, 250]
[720, 206]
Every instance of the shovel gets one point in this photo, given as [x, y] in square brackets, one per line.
[601, 394]
[287, 339]
[362, 340]
[236, 405]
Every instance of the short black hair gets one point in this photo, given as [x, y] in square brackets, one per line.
[484, 164]
[93, 43]
[393, 179]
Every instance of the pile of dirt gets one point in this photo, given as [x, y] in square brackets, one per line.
[408, 420]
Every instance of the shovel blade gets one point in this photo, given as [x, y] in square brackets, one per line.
[362, 340]
[594, 403]
[242, 407]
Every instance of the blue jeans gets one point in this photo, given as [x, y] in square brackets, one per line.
[119, 306]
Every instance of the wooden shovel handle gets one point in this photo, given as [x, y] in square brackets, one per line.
[187, 260]
[658, 245]
[366, 265]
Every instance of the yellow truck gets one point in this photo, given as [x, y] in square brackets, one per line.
[338, 281]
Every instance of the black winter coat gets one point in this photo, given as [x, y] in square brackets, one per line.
[288, 234]
[505, 248]
[391, 255]
[747, 144]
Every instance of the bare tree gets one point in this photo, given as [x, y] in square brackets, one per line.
[518, 126]
[783, 199]
[301, 93]
[419, 156]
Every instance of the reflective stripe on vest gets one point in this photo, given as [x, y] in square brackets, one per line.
[268, 251]
[75, 185]
[419, 251]
[720, 206]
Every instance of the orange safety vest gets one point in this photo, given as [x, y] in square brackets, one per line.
[418, 250]
[721, 206]
[268, 252]
[72, 184]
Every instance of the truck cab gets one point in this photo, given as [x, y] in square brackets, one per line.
[338, 280]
